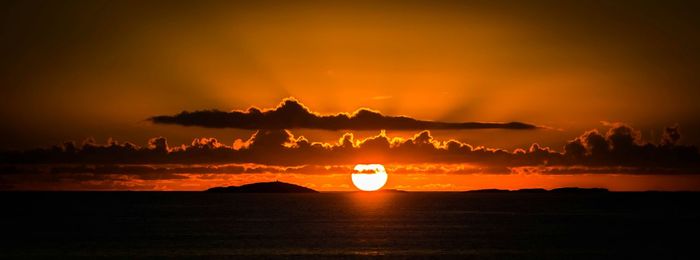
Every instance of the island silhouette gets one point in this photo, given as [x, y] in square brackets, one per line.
[283, 187]
[264, 187]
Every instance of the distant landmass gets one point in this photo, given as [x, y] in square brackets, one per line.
[392, 190]
[283, 187]
[557, 190]
[264, 187]
[384, 191]
[575, 189]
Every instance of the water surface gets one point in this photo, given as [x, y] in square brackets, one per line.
[331, 225]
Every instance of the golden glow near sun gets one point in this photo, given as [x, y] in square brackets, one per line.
[369, 177]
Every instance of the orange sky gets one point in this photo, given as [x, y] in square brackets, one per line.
[99, 69]
[565, 65]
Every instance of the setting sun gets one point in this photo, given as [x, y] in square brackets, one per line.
[369, 177]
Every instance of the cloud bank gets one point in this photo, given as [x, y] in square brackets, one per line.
[207, 161]
[291, 114]
[620, 146]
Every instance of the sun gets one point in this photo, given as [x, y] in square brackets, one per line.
[369, 177]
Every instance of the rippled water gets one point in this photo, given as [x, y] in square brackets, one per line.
[330, 225]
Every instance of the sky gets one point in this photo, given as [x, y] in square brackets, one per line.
[491, 79]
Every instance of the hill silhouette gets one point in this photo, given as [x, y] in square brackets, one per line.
[263, 187]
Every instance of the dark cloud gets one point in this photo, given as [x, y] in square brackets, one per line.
[619, 146]
[623, 145]
[178, 171]
[291, 114]
[169, 172]
[579, 169]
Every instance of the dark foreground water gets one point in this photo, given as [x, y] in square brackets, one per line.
[331, 225]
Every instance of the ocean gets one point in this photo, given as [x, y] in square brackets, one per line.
[125, 225]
